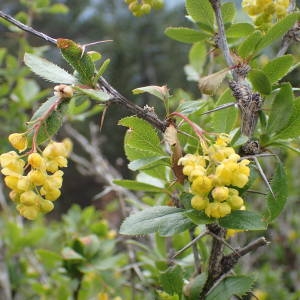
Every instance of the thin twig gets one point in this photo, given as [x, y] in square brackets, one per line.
[116, 97]
[195, 240]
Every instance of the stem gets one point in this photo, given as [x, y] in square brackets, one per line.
[222, 41]
[117, 98]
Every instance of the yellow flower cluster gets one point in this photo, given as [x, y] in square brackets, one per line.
[214, 177]
[142, 7]
[35, 183]
[264, 12]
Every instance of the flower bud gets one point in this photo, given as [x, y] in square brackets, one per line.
[220, 193]
[29, 198]
[46, 206]
[18, 141]
[199, 202]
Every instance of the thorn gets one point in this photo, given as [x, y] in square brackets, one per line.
[223, 106]
[91, 44]
[263, 176]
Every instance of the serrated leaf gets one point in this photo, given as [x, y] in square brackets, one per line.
[277, 31]
[48, 70]
[278, 67]
[172, 280]
[239, 30]
[260, 81]
[142, 137]
[197, 56]
[224, 119]
[280, 189]
[165, 220]
[243, 220]
[283, 105]
[185, 35]
[292, 130]
[228, 12]
[247, 48]
[95, 94]
[148, 162]
[235, 285]
[161, 92]
[138, 186]
[201, 11]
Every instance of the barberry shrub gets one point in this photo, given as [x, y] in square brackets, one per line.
[202, 167]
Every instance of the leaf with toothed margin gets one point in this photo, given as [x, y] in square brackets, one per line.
[48, 70]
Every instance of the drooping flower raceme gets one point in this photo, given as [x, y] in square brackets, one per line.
[214, 178]
[35, 179]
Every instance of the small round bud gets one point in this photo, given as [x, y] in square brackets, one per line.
[220, 193]
[199, 202]
[63, 91]
[29, 198]
[46, 206]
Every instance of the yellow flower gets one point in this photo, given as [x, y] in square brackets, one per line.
[29, 198]
[51, 194]
[24, 184]
[12, 182]
[201, 185]
[46, 206]
[235, 202]
[217, 209]
[199, 202]
[37, 177]
[220, 193]
[18, 141]
[11, 160]
[28, 212]
[36, 160]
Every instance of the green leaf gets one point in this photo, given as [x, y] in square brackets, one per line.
[235, 285]
[165, 220]
[197, 56]
[228, 12]
[95, 94]
[243, 220]
[247, 48]
[81, 62]
[49, 258]
[71, 255]
[172, 280]
[185, 35]
[148, 162]
[224, 119]
[138, 186]
[199, 217]
[283, 105]
[292, 130]
[52, 123]
[201, 11]
[189, 107]
[280, 189]
[277, 31]
[48, 70]
[141, 137]
[102, 69]
[239, 30]
[260, 81]
[161, 92]
[278, 67]
[196, 285]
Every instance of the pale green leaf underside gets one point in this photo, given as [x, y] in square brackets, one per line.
[165, 220]
[48, 70]
[148, 162]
